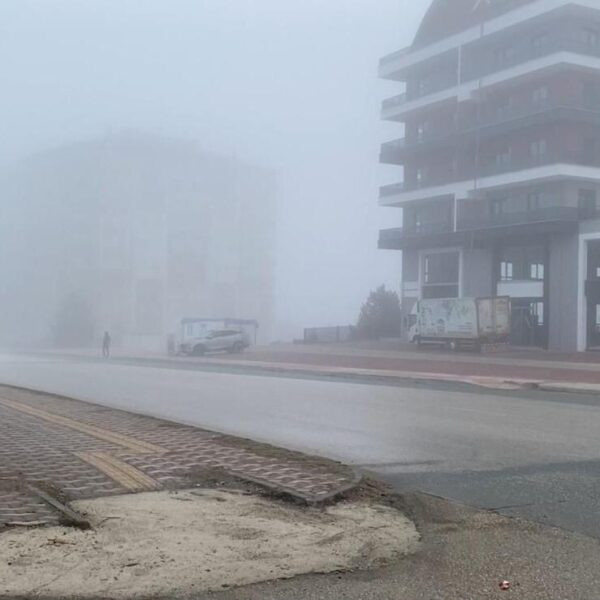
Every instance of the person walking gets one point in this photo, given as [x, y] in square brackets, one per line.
[106, 345]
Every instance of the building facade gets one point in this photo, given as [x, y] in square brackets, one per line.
[132, 234]
[501, 162]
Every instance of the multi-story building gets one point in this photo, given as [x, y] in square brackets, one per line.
[501, 160]
[132, 234]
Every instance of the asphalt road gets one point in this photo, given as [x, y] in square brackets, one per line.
[528, 454]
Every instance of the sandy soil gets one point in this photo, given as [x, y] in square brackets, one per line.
[202, 540]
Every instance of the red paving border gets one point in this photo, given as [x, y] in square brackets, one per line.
[427, 364]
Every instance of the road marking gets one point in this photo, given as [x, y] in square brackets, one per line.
[132, 479]
[137, 446]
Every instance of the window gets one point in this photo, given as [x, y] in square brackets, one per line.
[522, 263]
[537, 312]
[504, 56]
[587, 204]
[441, 267]
[534, 201]
[440, 275]
[498, 207]
[420, 176]
[590, 95]
[539, 43]
[506, 271]
[540, 96]
[537, 271]
[503, 159]
[422, 87]
[422, 130]
[504, 108]
[591, 38]
[538, 151]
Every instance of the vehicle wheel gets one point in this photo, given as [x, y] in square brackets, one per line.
[238, 347]
[199, 351]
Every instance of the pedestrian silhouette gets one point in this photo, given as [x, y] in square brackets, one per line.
[106, 345]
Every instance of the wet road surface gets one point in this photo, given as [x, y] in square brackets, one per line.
[529, 454]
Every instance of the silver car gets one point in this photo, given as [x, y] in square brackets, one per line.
[223, 340]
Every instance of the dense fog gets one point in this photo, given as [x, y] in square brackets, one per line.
[195, 158]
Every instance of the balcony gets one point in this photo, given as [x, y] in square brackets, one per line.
[391, 151]
[530, 53]
[558, 51]
[426, 235]
[484, 230]
[563, 216]
[490, 124]
[548, 158]
[398, 100]
[390, 59]
[392, 190]
[395, 66]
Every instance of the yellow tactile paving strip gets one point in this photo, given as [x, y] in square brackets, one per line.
[127, 476]
[136, 446]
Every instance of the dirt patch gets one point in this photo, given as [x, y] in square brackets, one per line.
[166, 544]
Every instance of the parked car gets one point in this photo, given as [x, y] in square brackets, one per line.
[224, 340]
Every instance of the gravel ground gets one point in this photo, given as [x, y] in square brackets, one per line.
[170, 543]
[465, 555]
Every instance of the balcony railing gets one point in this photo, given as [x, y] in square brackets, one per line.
[489, 118]
[548, 158]
[398, 236]
[524, 55]
[389, 58]
[394, 101]
[552, 214]
[392, 190]
[512, 166]
[393, 146]
[549, 108]
[520, 57]
[483, 229]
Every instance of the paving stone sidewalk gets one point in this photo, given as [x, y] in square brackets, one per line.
[75, 450]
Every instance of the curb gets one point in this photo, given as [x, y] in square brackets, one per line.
[304, 498]
[378, 375]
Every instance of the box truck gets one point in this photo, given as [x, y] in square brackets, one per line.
[461, 322]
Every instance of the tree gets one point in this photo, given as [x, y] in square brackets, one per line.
[380, 316]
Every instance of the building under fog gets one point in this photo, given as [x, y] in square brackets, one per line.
[500, 105]
[131, 234]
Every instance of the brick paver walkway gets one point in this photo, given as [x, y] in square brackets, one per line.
[80, 450]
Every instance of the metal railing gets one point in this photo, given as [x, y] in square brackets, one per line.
[526, 54]
[466, 126]
[386, 60]
[393, 146]
[395, 101]
[522, 56]
[548, 158]
[521, 111]
[543, 215]
[391, 190]
[424, 229]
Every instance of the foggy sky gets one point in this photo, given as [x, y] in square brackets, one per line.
[290, 84]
